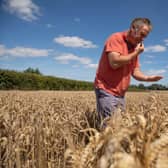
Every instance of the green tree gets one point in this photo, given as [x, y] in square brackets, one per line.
[34, 71]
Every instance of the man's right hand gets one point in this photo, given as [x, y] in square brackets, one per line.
[139, 48]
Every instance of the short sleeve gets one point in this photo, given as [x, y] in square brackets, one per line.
[114, 44]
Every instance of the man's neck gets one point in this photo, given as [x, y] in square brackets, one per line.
[129, 41]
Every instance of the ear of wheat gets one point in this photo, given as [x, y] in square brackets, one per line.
[136, 145]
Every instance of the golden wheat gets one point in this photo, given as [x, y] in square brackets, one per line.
[49, 129]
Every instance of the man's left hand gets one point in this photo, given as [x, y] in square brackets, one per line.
[154, 78]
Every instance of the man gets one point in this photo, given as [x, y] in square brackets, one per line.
[119, 61]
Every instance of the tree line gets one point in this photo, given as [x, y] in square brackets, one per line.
[33, 79]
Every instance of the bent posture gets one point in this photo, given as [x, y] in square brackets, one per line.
[120, 61]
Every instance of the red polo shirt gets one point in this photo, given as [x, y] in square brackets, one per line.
[115, 81]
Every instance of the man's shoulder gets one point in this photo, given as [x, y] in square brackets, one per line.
[116, 36]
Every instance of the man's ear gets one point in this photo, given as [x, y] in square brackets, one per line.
[135, 30]
[132, 28]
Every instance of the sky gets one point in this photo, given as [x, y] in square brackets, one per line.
[65, 38]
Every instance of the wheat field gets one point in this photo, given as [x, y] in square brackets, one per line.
[59, 129]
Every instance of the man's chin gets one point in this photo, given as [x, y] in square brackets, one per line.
[137, 42]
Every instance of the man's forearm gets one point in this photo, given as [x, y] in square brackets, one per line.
[138, 75]
[117, 61]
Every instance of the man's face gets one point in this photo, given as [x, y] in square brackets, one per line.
[139, 34]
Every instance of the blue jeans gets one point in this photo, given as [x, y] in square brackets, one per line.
[107, 103]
